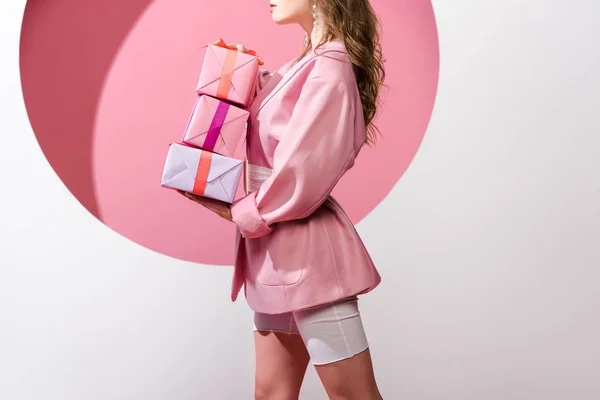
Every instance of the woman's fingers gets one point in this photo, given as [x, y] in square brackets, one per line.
[208, 203]
[243, 49]
[236, 46]
[189, 195]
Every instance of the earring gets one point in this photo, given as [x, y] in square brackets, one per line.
[315, 15]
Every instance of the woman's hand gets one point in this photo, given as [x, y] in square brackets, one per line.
[242, 49]
[220, 208]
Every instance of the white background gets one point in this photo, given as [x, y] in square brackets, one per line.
[488, 246]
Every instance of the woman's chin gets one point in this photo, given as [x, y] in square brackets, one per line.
[278, 20]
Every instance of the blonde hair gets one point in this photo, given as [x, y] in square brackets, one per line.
[355, 23]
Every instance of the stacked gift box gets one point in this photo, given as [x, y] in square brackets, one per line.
[203, 161]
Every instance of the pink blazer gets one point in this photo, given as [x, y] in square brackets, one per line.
[295, 246]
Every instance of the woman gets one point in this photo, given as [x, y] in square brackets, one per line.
[299, 257]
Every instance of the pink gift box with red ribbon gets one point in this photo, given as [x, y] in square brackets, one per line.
[228, 74]
[216, 125]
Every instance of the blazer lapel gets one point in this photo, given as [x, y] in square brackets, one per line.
[261, 101]
[278, 83]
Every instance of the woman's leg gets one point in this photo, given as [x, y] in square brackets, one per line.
[336, 341]
[281, 357]
[351, 378]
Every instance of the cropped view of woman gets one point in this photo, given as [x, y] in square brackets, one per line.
[298, 256]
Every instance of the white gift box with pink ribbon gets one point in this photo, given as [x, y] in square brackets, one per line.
[202, 172]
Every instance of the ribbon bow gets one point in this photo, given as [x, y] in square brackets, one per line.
[221, 43]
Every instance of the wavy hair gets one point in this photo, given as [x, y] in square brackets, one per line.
[355, 23]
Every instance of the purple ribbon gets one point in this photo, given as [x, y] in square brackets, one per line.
[216, 125]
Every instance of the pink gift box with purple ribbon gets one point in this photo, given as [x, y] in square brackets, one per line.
[216, 126]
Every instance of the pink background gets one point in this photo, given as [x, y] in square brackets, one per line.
[108, 85]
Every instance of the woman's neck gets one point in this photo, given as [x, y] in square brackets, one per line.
[316, 35]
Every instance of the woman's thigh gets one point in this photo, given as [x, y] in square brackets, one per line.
[337, 344]
[281, 357]
[332, 332]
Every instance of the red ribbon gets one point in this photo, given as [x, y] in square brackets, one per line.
[202, 172]
[221, 43]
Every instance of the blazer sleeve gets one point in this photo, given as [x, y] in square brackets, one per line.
[315, 150]
[262, 77]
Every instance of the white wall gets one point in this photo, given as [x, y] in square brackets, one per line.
[488, 246]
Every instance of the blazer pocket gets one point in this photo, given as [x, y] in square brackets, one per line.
[284, 255]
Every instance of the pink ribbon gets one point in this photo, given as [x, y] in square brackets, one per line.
[215, 126]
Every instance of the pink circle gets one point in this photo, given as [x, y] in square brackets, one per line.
[108, 87]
